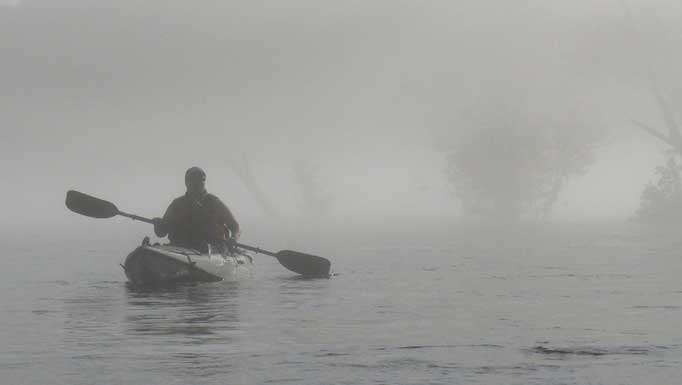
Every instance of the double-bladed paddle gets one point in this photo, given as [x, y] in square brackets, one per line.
[301, 263]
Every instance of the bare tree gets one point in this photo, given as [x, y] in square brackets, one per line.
[314, 199]
[511, 167]
[242, 167]
[660, 201]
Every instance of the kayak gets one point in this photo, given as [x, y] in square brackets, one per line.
[166, 264]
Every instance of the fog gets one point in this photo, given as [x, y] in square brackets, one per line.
[308, 113]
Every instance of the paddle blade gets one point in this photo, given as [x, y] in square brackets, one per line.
[304, 264]
[89, 206]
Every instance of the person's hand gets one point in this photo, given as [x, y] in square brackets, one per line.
[231, 244]
[160, 227]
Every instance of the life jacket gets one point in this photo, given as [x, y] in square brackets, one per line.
[195, 222]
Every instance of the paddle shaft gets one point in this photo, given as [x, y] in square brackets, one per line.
[256, 250]
[136, 217]
[242, 246]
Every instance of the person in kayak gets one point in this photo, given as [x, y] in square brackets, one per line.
[197, 218]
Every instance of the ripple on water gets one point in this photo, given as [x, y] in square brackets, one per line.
[439, 346]
[594, 351]
[660, 307]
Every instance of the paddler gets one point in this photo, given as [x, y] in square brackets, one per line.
[197, 219]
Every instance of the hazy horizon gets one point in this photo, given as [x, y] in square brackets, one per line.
[117, 100]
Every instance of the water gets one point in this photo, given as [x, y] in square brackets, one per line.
[558, 305]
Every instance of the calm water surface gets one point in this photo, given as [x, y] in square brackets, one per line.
[558, 305]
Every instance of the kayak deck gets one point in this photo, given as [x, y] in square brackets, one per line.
[167, 264]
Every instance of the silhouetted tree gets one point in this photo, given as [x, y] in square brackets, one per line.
[242, 167]
[510, 168]
[314, 200]
[661, 202]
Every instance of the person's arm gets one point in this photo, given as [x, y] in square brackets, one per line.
[228, 219]
[161, 225]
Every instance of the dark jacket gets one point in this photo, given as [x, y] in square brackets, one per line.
[197, 221]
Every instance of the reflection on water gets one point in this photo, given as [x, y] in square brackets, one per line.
[201, 311]
[182, 310]
[114, 332]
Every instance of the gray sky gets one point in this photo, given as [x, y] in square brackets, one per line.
[118, 98]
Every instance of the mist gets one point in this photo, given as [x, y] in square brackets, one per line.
[306, 113]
